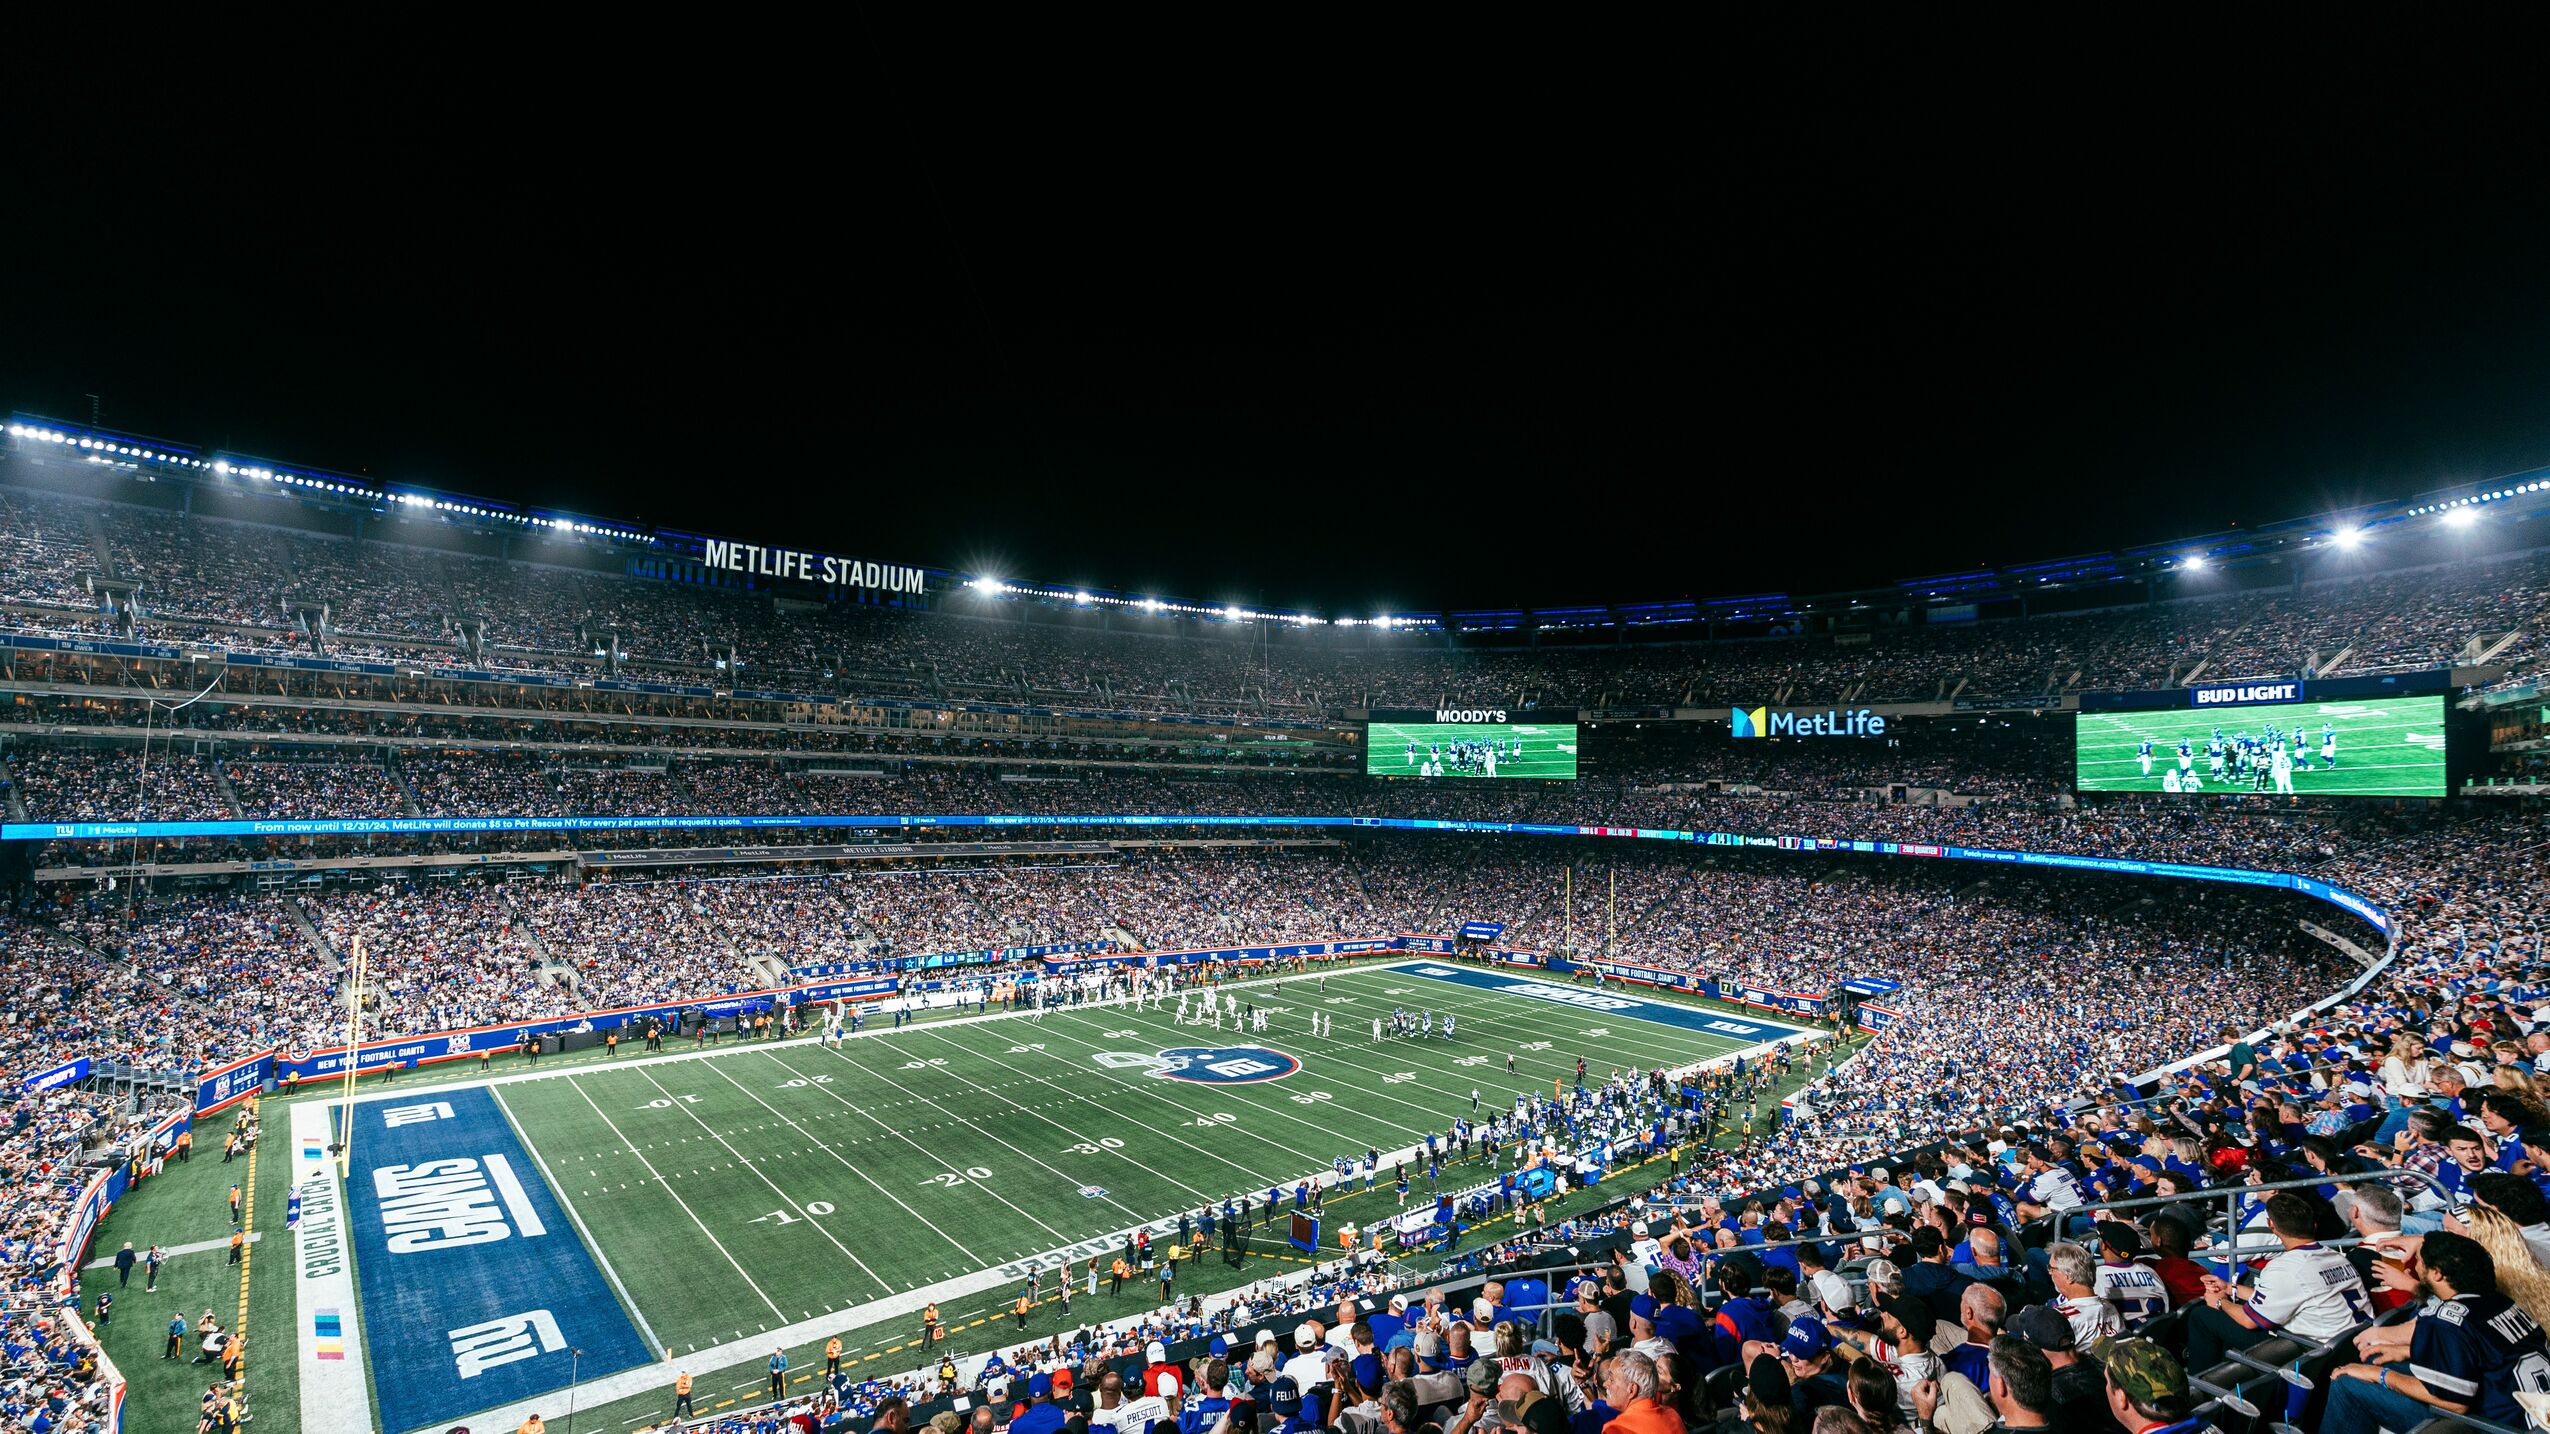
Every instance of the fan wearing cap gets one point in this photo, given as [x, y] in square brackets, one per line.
[1137, 1414]
[2134, 1288]
[1308, 1368]
[1285, 1400]
[1815, 1376]
[2147, 1389]
[1905, 1329]
[2080, 1388]
[1642, 1328]
[1159, 1377]
[1042, 1415]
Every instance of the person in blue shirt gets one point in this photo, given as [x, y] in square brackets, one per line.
[1043, 1415]
[778, 1373]
[1741, 1316]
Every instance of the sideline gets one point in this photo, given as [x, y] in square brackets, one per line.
[737, 1353]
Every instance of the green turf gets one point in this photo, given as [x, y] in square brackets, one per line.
[975, 1147]
[870, 1154]
[2386, 746]
[1549, 748]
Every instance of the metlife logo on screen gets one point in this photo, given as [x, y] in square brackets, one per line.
[1831, 722]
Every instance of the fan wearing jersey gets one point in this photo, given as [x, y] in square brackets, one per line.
[2049, 1188]
[2074, 1273]
[2467, 1354]
[2134, 1288]
[2308, 1291]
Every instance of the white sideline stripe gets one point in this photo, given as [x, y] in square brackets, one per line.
[756, 1348]
[746, 1047]
[592, 1246]
[173, 1251]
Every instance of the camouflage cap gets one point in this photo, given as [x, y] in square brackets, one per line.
[2150, 1375]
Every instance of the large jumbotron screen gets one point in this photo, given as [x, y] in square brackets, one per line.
[2372, 747]
[1470, 749]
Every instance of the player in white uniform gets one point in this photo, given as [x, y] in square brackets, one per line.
[2328, 745]
[2169, 782]
[2282, 768]
[1376, 1028]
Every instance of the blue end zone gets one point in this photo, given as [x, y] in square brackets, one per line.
[474, 1282]
[1663, 1013]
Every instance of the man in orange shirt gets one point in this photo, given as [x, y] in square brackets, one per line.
[682, 1395]
[832, 1356]
[1629, 1385]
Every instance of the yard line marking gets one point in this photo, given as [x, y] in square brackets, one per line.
[1424, 1112]
[196, 1248]
[1251, 1172]
[677, 1199]
[592, 1245]
[1068, 1178]
[880, 1189]
[916, 1145]
[1513, 1006]
[820, 1228]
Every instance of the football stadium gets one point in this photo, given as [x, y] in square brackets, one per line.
[1238, 799]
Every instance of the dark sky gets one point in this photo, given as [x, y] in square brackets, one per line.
[1793, 320]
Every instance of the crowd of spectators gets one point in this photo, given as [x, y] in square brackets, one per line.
[257, 587]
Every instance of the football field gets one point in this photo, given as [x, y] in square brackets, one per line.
[2386, 746]
[698, 1210]
[1548, 749]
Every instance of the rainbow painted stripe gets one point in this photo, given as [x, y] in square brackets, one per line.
[327, 1330]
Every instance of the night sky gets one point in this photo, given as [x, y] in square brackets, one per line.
[1459, 349]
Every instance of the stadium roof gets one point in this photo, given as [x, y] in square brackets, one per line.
[2429, 516]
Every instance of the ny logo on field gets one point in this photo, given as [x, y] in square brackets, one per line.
[478, 1348]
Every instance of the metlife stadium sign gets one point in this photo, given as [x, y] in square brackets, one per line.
[1831, 722]
[808, 567]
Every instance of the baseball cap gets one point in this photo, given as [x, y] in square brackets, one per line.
[1398, 1303]
[1156, 1353]
[1807, 1338]
[1483, 1375]
[1913, 1313]
[1642, 1306]
[2039, 1325]
[1265, 1337]
[1546, 1348]
[1062, 1383]
[1367, 1369]
[1040, 1387]
[1285, 1395]
[1304, 1337]
[2124, 1239]
[2150, 1375]
[1834, 1292]
[1219, 1346]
